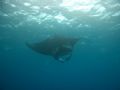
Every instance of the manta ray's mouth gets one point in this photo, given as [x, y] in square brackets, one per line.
[65, 57]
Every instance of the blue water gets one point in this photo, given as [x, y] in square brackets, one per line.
[95, 63]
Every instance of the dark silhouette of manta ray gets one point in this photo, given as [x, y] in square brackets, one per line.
[58, 47]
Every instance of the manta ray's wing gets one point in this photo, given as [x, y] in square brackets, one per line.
[42, 48]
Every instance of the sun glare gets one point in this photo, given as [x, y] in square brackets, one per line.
[81, 5]
[27, 4]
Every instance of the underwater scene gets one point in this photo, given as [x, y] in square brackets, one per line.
[59, 45]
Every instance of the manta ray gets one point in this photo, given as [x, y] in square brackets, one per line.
[59, 47]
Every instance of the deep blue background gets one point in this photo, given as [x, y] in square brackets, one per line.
[95, 63]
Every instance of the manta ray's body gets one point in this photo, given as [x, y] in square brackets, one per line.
[59, 47]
